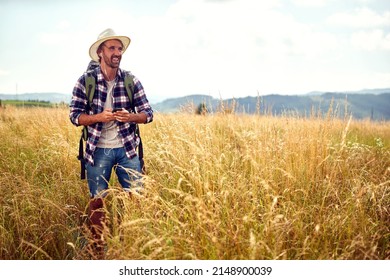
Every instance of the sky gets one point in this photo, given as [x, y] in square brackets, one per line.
[222, 48]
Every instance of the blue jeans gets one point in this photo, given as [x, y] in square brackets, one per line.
[105, 159]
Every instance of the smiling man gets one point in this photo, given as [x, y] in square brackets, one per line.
[111, 119]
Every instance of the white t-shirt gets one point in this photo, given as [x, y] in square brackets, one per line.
[109, 137]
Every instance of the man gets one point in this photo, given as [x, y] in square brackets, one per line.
[111, 121]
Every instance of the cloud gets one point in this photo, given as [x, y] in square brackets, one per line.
[311, 3]
[52, 39]
[64, 24]
[4, 72]
[213, 40]
[231, 49]
[357, 80]
[58, 36]
[371, 40]
[360, 18]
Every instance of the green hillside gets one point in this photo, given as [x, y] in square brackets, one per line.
[361, 106]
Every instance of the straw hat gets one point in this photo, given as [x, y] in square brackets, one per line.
[107, 34]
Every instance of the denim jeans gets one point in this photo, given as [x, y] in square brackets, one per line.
[107, 159]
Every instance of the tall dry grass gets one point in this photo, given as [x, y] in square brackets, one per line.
[221, 186]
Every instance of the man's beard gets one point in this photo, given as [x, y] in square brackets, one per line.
[114, 61]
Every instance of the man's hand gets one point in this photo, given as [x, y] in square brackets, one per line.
[125, 116]
[105, 116]
[122, 116]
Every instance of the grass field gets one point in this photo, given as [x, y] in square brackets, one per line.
[217, 187]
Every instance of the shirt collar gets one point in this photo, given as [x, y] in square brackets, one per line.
[100, 76]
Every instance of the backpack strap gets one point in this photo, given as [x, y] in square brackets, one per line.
[90, 82]
[129, 85]
[80, 157]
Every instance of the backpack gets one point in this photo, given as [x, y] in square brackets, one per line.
[90, 83]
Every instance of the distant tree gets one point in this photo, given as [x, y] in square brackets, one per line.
[202, 109]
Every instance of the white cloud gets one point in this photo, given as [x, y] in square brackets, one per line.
[233, 49]
[311, 3]
[371, 40]
[357, 80]
[208, 44]
[54, 38]
[64, 24]
[4, 72]
[360, 18]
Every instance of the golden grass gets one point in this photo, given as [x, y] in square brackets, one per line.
[217, 187]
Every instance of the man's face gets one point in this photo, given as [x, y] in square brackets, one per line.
[112, 53]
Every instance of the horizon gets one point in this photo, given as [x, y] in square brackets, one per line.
[373, 91]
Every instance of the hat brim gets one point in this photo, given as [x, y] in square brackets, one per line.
[93, 49]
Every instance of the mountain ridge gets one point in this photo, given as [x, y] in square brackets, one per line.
[365, 103]
[375, 106]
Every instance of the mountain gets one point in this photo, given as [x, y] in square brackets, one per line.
[363, 105]
[362, 91]
[173, 105]
[367, 103]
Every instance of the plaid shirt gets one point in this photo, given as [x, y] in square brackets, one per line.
[126, 131]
